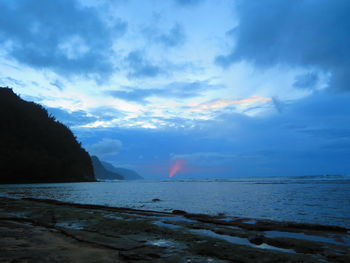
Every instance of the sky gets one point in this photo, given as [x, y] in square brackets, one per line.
[224, 88]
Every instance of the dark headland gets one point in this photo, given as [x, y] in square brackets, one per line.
[102, 173]
[35, 148]
[128, 174]
[106, 171]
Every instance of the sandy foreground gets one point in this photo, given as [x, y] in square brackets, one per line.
[51, 231]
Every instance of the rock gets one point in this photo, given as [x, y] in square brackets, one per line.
[129, 255]
[179, 212]
[114, 242]
[257, 240]
[146, 254]
[155, 200]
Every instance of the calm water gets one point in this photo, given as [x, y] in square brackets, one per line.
[315, 200]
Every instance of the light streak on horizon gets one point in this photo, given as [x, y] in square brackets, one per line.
[177, 166]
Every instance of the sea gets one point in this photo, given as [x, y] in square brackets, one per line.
[309, 199]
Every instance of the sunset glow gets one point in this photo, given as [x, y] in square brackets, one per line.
[177, 166]
[222, 103]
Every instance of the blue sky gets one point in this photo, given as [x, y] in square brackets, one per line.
[230, 88]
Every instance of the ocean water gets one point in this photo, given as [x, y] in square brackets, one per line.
[320, 200]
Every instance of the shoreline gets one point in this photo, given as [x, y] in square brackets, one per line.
[217, 219]
[135, 235]
[318, 209]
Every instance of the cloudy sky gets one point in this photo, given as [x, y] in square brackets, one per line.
[225, 88]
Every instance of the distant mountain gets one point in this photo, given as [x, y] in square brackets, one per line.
[102, 173]
[126, 173]
[35, 148]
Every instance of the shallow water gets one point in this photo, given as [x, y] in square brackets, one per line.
[338, 240]
[239, 240]
[316, 200]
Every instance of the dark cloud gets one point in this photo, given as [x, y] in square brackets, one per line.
[58, 35]
[308, 122]
[58, 84]
[188, 2]
[174, 37]
[8, 81]
[278, 104]
[339, 145]
[313, 34]
[173, 90]
[140, 67]
[331, 133]
[137, 95]
[305, 129]
[306, 81]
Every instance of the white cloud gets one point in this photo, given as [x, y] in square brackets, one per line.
[106, 146]
[223, 103]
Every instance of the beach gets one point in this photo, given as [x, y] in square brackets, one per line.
[34, 230]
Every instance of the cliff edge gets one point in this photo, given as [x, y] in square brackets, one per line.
[35, 148]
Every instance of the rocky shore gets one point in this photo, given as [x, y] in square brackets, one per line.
[50, 231]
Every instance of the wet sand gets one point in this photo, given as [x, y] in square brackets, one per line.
[51, 231]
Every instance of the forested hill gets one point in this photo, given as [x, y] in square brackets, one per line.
[102, 173]
[128, 174]
[34, 147]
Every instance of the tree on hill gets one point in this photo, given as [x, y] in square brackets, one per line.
[34, 147]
